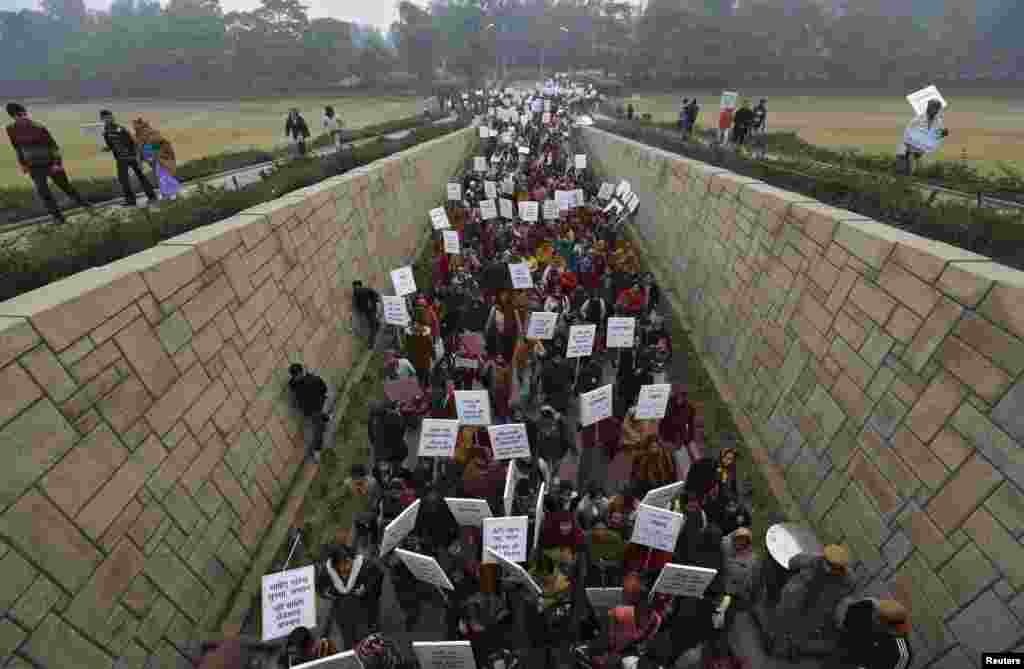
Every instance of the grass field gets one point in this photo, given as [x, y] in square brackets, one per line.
[990, 128]
[198, 128]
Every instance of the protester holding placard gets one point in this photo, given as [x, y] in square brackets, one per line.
[923, 135]
[353, 584]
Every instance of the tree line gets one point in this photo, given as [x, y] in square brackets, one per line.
[192, 46]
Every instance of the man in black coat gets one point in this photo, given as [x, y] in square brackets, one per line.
[354, 584]
[297, 130]
[309, 394]
[386, 429]
[120, 142]
[365, 302]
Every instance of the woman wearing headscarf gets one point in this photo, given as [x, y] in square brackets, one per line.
[923, 135]
[158, 152]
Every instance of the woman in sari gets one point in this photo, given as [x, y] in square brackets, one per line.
[159, 153]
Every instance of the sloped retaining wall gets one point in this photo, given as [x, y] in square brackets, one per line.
[877, 376]
[146, 436]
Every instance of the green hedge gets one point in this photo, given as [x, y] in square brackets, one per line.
[884, 197]
[62, 251]
[19, 203]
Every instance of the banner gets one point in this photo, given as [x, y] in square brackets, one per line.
[454, 191]
[509, 441]
[437, 438]
[289, 601]
[399, 528]
[444, 654]
[505, 536]
[652, 403]
[581, 341]
[663, 496]
[439, 219]
[403, 281]
[656, 528]
[395, 312]
[528, 211]
[621, 332]
[541, 325]
[521, 277]
[487, 210]
[506, 209]
[491, 190]
[425, 568]
[451, 242]
[469, 512]
[596, 405]
[473, 407]
[919, 99]
[581, 161]
[684, 580]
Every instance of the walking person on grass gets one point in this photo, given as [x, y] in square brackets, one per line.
[296, 129]
[158, 152]
[39, 157]
[120, 142]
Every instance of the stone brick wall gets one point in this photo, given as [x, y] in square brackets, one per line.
[146, 434]
[877, 376]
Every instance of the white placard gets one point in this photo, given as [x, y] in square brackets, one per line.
[346, 660]
[399, 528]
[606, 192]
[479, 164]
[596, 405]
[538, 515]
[466, 363]
[579, 198]
[919, 99]
[509, 441]
[425, 568]
[485, 132]
[529, 211]
[623, 189]
[632, 202]
[652, 403]
[581, 341]
[511, 477]
[470, 512]
[487, 210]
[663, 496]
[451, 242]
[541, 325]
[444, 654]
[524, 150]
[439, 218]
[604, 598]
[621, 332]
[683, 580]
[289, 601]
[454, 191]
[491, 190]
[521, 277]
[505, 536]
[564, 199]
[473, 407]
[403, 281]
[728, 100]
[395, 312]
[507, 210]
[545, 118]
[518, 574]
[508, 185]
[581, 161]
[550, 210]
[656, 528]
[438, 437]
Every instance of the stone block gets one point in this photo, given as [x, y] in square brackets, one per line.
[32, 443]
[228, 486]
[208, 403]
[57, 644]
[1009, 413]
[177, 463]
[96, 361]
[997, 446]
[177, 582]
[932, 332]
[121, 525]
[257, 304]
[968, 573]
[17, 391]
[18, 578]
[881, 490]
[208, 303]
[973, 369]
[212, 242]
[992, 341]
[913, 293]
[16, 337]
[89, 465]
[11, 636]
[48, 372]
[207, 342]
[919, 458]
[903, 324]
[971, 484]
[872, 300]
[1007, 505]
[101, 511]
[183, 510]
[143, 350]
[155, 624]
[174, 332]
[998, 544]
[125, 404]
[105, 589]
[986, 626]
[897, 548]
[939, 401]
[956, 659]
[887, 415]
[115, 324]
[170, 407]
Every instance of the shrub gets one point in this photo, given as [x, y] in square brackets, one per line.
[58, 252]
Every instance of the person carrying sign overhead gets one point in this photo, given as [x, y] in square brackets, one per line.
[930, 123]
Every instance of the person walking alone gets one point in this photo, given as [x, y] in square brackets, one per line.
[120, 142]
[923, 134]
[39, 157]
[333, 126]
[692, 112]
[296, 129]
[742, 123]
[158, 152]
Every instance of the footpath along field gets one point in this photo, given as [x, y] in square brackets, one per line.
[198, 128]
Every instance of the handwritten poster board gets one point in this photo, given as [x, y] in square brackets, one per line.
[425, 568]
[479, 164]
[289, 601]
[403, 281]
[632, 202]
[663, 496]
[621, 332]
[604, 598]
[444, 654]
[507, 210]
[439, 218]
[579, 198]
[473, 407]
[623, 189]
[550, 210]
[517, 573]
[505, 536]
[541, 325]
[596, 405]
[656, 528]
[399, 528]
[451, 242]
[511, 477]
[529, 210]
[469, 512]
[488, 210]
[581, 161]
[521, 277]
[683, 580]
[454, 191]
[509, 441]
[652, 403]
[438, 437]
[919, 99]
[581, 341]
[346, 660]
[564, 199]
[606, 192]
[491, 190]
[538, 515]
[485, 132]
[395, 311]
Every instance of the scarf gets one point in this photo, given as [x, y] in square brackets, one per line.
[345, 588]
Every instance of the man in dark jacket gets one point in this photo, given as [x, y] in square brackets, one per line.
[354, 583]
[309, 393]
[742, 123]
[121, 143]
[39, 157]
[296, 129]
[366, 302]
[761, 116]
[386, 430]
